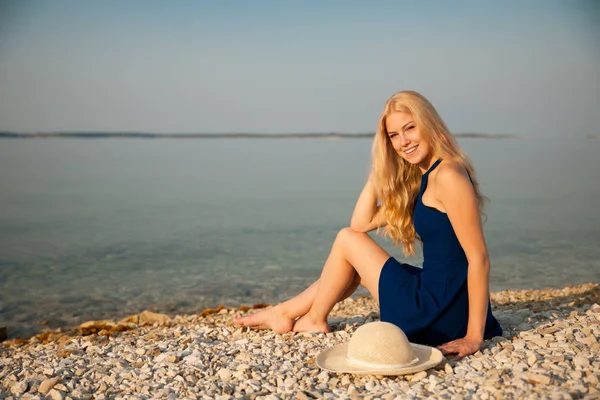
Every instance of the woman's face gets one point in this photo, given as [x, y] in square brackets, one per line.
[407, 139]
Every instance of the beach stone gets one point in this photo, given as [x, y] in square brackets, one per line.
[61, 387]
[432, 386]
[581, 362]
[519, 344]
[419, 376]
[508, 319]
[507, 346]
[477, 365]
[588, 340]
[303, 396]
[48, 384]
[538, 378]
[555, 358]
[55, 395]
[575, 374]
[548, 330]
[532, 359]
[323, 376]
[19, 387]
[238, 333]
[289, 382]
[524, 326]
[448, 369]
[3, 333]
[540, 342]
[523, 312]
[592, 378]
[170, 357]
[146, 317]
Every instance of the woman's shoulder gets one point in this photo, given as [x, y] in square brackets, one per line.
[449, 172]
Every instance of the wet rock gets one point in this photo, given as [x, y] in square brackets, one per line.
[147, 317]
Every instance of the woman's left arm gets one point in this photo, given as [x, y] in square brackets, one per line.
[455, 191]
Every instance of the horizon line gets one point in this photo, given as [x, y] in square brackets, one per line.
[228, 135]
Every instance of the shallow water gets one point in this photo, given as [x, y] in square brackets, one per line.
[95, 229]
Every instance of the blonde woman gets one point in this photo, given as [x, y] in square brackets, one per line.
[421, 187]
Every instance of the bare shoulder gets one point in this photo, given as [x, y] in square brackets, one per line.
[452, 184]
[451, 173]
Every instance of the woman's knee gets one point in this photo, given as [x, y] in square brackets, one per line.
[347, 235]
[344, 234]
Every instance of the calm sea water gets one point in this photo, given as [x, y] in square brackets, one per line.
[94, 229]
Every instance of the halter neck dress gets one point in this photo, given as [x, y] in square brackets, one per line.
[430, 304]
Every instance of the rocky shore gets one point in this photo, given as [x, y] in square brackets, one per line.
[549, 350]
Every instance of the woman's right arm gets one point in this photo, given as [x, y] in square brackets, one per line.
[364, 218]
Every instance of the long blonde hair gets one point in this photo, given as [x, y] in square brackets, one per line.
[396, 181]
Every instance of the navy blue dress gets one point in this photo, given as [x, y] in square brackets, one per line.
[431, 304]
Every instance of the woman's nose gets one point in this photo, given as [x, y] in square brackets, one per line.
[403, 140]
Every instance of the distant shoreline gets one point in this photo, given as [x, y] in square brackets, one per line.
[144, 135]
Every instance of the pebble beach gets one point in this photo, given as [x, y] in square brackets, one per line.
[549, 350]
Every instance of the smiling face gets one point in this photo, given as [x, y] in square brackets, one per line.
[407, 139]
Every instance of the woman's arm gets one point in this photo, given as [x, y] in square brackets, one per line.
[455, 191]
[364, 218]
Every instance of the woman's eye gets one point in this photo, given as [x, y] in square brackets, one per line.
[410, 127]
[392, 135]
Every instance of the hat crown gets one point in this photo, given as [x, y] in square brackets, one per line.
[380, 344]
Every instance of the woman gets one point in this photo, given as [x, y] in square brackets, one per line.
[420, 183]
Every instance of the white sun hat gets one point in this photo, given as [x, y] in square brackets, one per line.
[379, 348]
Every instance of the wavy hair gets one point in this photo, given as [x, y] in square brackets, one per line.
[396, 181]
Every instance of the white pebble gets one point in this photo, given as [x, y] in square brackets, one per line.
[289, 382]
[225, 374]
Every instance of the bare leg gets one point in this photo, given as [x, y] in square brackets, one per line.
[300, 305]
[352, 253]
[341, 280]
[280, 318]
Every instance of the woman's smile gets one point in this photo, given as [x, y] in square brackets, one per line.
[411, 150]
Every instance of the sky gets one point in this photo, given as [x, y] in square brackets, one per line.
[498, 67]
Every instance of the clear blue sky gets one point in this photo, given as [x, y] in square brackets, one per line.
[528, 67]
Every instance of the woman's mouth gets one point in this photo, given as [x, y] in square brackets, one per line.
[411, 150]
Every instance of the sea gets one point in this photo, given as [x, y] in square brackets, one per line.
[105, 228]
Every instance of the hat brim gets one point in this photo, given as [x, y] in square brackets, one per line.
[334, 360]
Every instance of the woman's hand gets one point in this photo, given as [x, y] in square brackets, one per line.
[463, 347]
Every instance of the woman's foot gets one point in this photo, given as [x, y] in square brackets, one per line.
[307, 324]
[270, 318]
